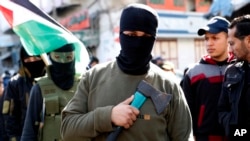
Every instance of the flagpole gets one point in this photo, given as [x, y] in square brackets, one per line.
[45, 58]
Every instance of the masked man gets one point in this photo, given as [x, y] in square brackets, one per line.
[17, 93]
[49, 96]
[101, 103]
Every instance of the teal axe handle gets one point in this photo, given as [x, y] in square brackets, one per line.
[137, 102]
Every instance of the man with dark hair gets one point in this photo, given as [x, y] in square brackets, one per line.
[203, 81]
[17, 92]
[93, 61]
[234, 103]
[101, 103]
[158, 61]
[49, 96]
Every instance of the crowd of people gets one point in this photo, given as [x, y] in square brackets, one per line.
[134, 97]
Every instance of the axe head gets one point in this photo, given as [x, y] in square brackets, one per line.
[160, 99]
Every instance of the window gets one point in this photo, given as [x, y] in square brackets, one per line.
[200, 49]
[168, 50]
[179, 2]
[202, 5]
[178, 5]
[157, 1]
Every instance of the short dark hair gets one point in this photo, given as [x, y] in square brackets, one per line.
[94, 59]
[242, 24]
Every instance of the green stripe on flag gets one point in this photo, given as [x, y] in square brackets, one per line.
[38, 38]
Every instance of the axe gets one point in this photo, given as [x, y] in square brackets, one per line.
[143, 91]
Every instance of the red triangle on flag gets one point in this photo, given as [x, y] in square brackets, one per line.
[8, 14]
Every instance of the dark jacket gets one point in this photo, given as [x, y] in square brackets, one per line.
[3, 136]
[202, 86]
[16, 97]
[228, 106]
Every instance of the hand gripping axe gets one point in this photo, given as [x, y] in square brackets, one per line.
[143, 91]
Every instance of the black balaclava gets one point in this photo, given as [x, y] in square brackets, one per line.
[62, 70]
[35, 68]
[135, 53]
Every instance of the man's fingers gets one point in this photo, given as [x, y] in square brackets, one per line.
[133, 117]
[128, 100]
[126, 126]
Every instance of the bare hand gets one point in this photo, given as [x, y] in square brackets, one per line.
[124, 114]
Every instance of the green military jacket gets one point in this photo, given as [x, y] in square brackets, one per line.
[54, 100]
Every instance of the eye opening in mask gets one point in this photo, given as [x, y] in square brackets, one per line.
[136, 34]
[32, 59]
[62, 57]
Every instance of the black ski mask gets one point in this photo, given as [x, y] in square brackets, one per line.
[135, 53]
[62, 70]
[35, 68]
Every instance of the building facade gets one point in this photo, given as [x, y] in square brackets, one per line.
[177, 39]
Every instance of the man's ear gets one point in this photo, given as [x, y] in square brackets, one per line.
[248, 40]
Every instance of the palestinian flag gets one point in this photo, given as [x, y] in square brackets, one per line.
[38, 32]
